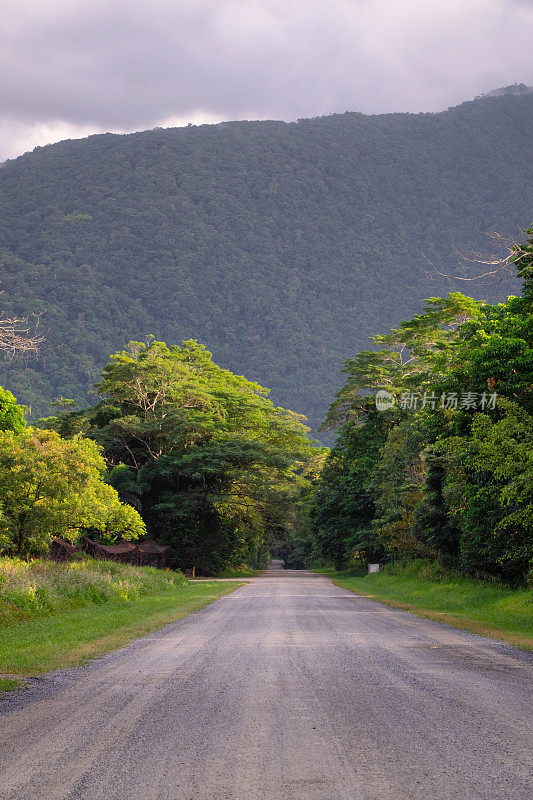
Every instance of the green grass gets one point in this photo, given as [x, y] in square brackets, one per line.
[29, 589]
[483, 607]
[72, 637]
[6, 684]
[54, 616]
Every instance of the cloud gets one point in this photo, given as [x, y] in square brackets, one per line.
[78, 66]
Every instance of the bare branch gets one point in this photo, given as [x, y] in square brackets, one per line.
[17, 337]
[504, 265]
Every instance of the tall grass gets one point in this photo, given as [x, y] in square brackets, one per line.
[32, 588]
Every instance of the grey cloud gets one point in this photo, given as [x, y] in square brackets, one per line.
[127, 64]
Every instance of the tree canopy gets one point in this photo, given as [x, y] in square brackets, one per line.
[51, 486]
[445, 471]
[212, 465]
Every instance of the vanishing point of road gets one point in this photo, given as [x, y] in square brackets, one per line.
[290, 688]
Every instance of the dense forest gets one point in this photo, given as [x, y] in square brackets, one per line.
[281, 246]
[434, 450]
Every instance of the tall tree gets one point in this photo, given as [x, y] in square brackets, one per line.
[449, 469]
[203, 453]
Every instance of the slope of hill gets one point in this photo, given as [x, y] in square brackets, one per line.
[281, 246]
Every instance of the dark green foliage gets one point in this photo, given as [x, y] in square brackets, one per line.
[284, 246]
[479, 552]
[489, 490]
[344, 502]
[212, 466]
[454, 483]
[395, 478]
[297, 551]
[432, 524]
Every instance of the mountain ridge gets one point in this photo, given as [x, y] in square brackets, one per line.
[282, 246]
[513, 89]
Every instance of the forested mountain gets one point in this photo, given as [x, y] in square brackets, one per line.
[281, 246]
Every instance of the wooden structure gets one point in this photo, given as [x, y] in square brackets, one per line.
[141, 554]
[61, 550]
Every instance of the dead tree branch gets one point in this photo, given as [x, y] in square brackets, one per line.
[503, 265]
[17, 337]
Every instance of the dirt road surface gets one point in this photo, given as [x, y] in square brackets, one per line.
[288, 689]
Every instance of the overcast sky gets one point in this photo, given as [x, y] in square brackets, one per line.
[73, 67]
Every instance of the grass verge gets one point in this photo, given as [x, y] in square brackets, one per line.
[35, 588]
[482, 607]
[6, 684]
[72, 637]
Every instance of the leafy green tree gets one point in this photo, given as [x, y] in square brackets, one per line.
[433, 525]
[344, 504]
[370, 489]
[11, 413]
[51, 486]
[209, 461]
[489, 489]
[443, 480]
[396, 486]
[298, 550]
[496, 348]
[416, 356]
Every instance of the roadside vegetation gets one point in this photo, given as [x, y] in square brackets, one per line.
[214, 468]
[438, 486]
[444, 472]
[35, 588]
[58, 615]
[427, 589]
[244, 571]
[54, 486]
[177, 448]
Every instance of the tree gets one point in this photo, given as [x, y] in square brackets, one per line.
[419, 354]
[396, 481]
[11, 413]
[439, 479]
[207, 458]
[489, 489]
[433, 525]
[16, 337]
[371, 485]
[344, 502]
[51, 486]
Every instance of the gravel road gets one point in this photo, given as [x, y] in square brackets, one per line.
[288, 689]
